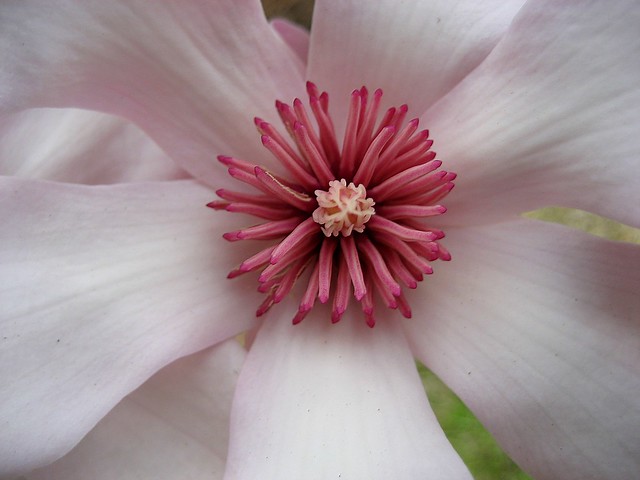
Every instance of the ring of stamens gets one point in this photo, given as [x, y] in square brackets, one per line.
[322, 212]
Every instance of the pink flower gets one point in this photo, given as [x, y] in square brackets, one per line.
[534, 325]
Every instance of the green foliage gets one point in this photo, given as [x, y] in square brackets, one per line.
[588, 222]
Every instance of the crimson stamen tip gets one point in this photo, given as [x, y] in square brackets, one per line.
[232, 236]
[234, 273]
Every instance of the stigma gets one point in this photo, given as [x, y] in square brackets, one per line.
[318, 218]
[343, 208]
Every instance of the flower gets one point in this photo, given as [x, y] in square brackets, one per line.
[534, 325]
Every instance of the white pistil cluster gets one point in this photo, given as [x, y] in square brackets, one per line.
[343, 208]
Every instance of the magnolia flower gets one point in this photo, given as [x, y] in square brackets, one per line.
[534, 325]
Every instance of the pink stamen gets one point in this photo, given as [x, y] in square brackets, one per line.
[300, 233]
[264, 231]
[327, 132]
[367, 303]
[371, 157]
[273, 269]
[381, 224]
[321, 211]
[303, 119]
[285, 286]
[341, 297]
[394, 212]
[406, 250]
[398, 269]
[366, 128]
[262, 211]
[294, 198]
[407, 178]
[258, 260]
[391, 150]
[269, 130]
[378, 266]
[387, 297]
[326, 266]
[309, 297]
[403, 306]
[349, 146]
[247, 198]
[350, 253]
[304, 177]
[319, 164]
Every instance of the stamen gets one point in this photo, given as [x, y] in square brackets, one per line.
[336, 235]
[326, 265]
[341, 297]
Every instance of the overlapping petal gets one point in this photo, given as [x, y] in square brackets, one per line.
[100, 287]
[295, 36]
[416, 51]
[537, 328]
[319, 401]
[191, 74]
[79, 146]
[549, 118]
[174, 426]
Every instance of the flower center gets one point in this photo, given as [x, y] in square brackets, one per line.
[343, 208]
[382, 159]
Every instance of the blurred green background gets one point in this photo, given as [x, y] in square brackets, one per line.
[482, 455]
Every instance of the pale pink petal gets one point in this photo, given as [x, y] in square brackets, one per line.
[100, 287]
[415, 50]
[296, 36]
[192, 74]
[174, 426]
[317, 400]
[551, 117]
[537, 328]
[79, 146]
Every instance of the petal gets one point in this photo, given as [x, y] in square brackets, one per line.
[78, 146]
[296, 36]
[100, 287]
[416, 50]
[174, 426]
[536, 326]
[550, 118]
[191, 75]
[318, 400]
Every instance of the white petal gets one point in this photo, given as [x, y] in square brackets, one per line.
[550, 118]
[78, 146]
[100, 287]
[174, 426]
[537, 328]
[192, 75]
[319, 401]
[296, 36]
[416, 50]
